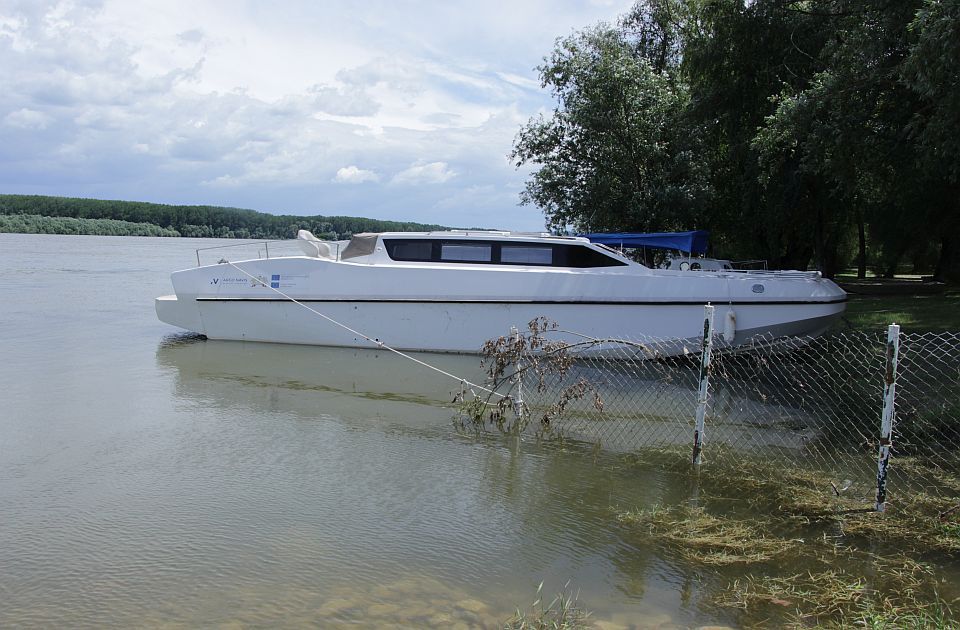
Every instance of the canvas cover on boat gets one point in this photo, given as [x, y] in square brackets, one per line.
[360, 245]
[694, 242]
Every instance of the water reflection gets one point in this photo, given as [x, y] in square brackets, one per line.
[308, 381]
[495, 513]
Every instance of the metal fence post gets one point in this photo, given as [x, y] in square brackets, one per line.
[518, 402]
[887, 419]
[704, 384]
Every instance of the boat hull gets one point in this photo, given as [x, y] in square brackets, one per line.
[464, 326]
[439, 307]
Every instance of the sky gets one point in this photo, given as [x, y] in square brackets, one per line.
[403, 110]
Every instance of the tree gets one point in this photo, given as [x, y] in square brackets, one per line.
[736, 57]
[198, 221]
[796, 131]
[930, 70]
[616, 153]
[865, 146]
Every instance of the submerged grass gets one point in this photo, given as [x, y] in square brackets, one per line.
[899, 593]
[863, 568]
[921, 518]
[700, 537]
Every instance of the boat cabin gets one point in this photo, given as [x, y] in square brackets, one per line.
[473, 248]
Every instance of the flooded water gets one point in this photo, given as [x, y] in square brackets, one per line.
[149, 477]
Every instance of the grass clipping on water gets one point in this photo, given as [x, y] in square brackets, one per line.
[758, 516]
[896, 596]
[702, 538]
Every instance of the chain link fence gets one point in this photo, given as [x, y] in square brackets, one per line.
[814, 402]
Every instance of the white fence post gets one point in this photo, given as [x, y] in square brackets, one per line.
[518, 401]
[887, 419]
[704, 384]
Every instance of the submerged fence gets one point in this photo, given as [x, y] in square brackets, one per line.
[810, 401]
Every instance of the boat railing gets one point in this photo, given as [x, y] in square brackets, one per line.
[779, 273]
[755, 264]
[281, 247]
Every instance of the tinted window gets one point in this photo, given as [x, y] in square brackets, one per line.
[492, 252]
[526, 254]
[466, 252]
[582, 256]
[410, 250]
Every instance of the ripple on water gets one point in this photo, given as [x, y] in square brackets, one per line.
[174, 480]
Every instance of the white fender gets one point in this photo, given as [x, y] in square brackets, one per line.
[729, 326]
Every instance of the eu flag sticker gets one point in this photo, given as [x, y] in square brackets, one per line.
[274, 285]
[275, 277]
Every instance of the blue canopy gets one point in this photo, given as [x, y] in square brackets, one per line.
[694, 242]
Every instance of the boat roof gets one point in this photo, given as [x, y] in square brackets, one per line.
[478, 234]
[694, 242]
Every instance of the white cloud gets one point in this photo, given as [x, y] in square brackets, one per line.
[191, 36]
[27, 119]
[343, 101]
[241, 105]
[353, 175]
[522, 82]
[224, 181]
[432, 173]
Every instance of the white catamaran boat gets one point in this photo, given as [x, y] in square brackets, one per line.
[452, 291]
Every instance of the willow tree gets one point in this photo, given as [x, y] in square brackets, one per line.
[616, 153]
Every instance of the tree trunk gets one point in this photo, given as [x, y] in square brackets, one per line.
[862, 248]
[948, 266]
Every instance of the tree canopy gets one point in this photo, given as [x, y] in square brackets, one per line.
[805, 132]
[37, 224]
[194, 221]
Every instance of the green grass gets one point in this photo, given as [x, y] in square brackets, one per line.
[914, 313]
[562, 613]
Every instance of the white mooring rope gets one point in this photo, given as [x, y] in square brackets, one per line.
[360, 334]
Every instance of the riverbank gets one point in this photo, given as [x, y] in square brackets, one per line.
[914, 313]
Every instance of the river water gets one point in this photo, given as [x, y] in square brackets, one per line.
[149, 477]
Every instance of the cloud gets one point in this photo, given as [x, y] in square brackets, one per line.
[27, 119]
[343, 101]
[432, 173]
[353, 175]
[192, 36]
[519, 81]
[233, 104]
[224, 181]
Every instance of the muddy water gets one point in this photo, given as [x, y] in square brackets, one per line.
[149, 477]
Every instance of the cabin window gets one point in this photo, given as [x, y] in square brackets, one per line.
[466, 252]
[526, 254]
[497, 253]
[583, 257]
[410, 250]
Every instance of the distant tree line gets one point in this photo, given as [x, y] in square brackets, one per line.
[805, 132]
[36, 224]
[194, 221]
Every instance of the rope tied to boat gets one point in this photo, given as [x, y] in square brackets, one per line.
[376, 342]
